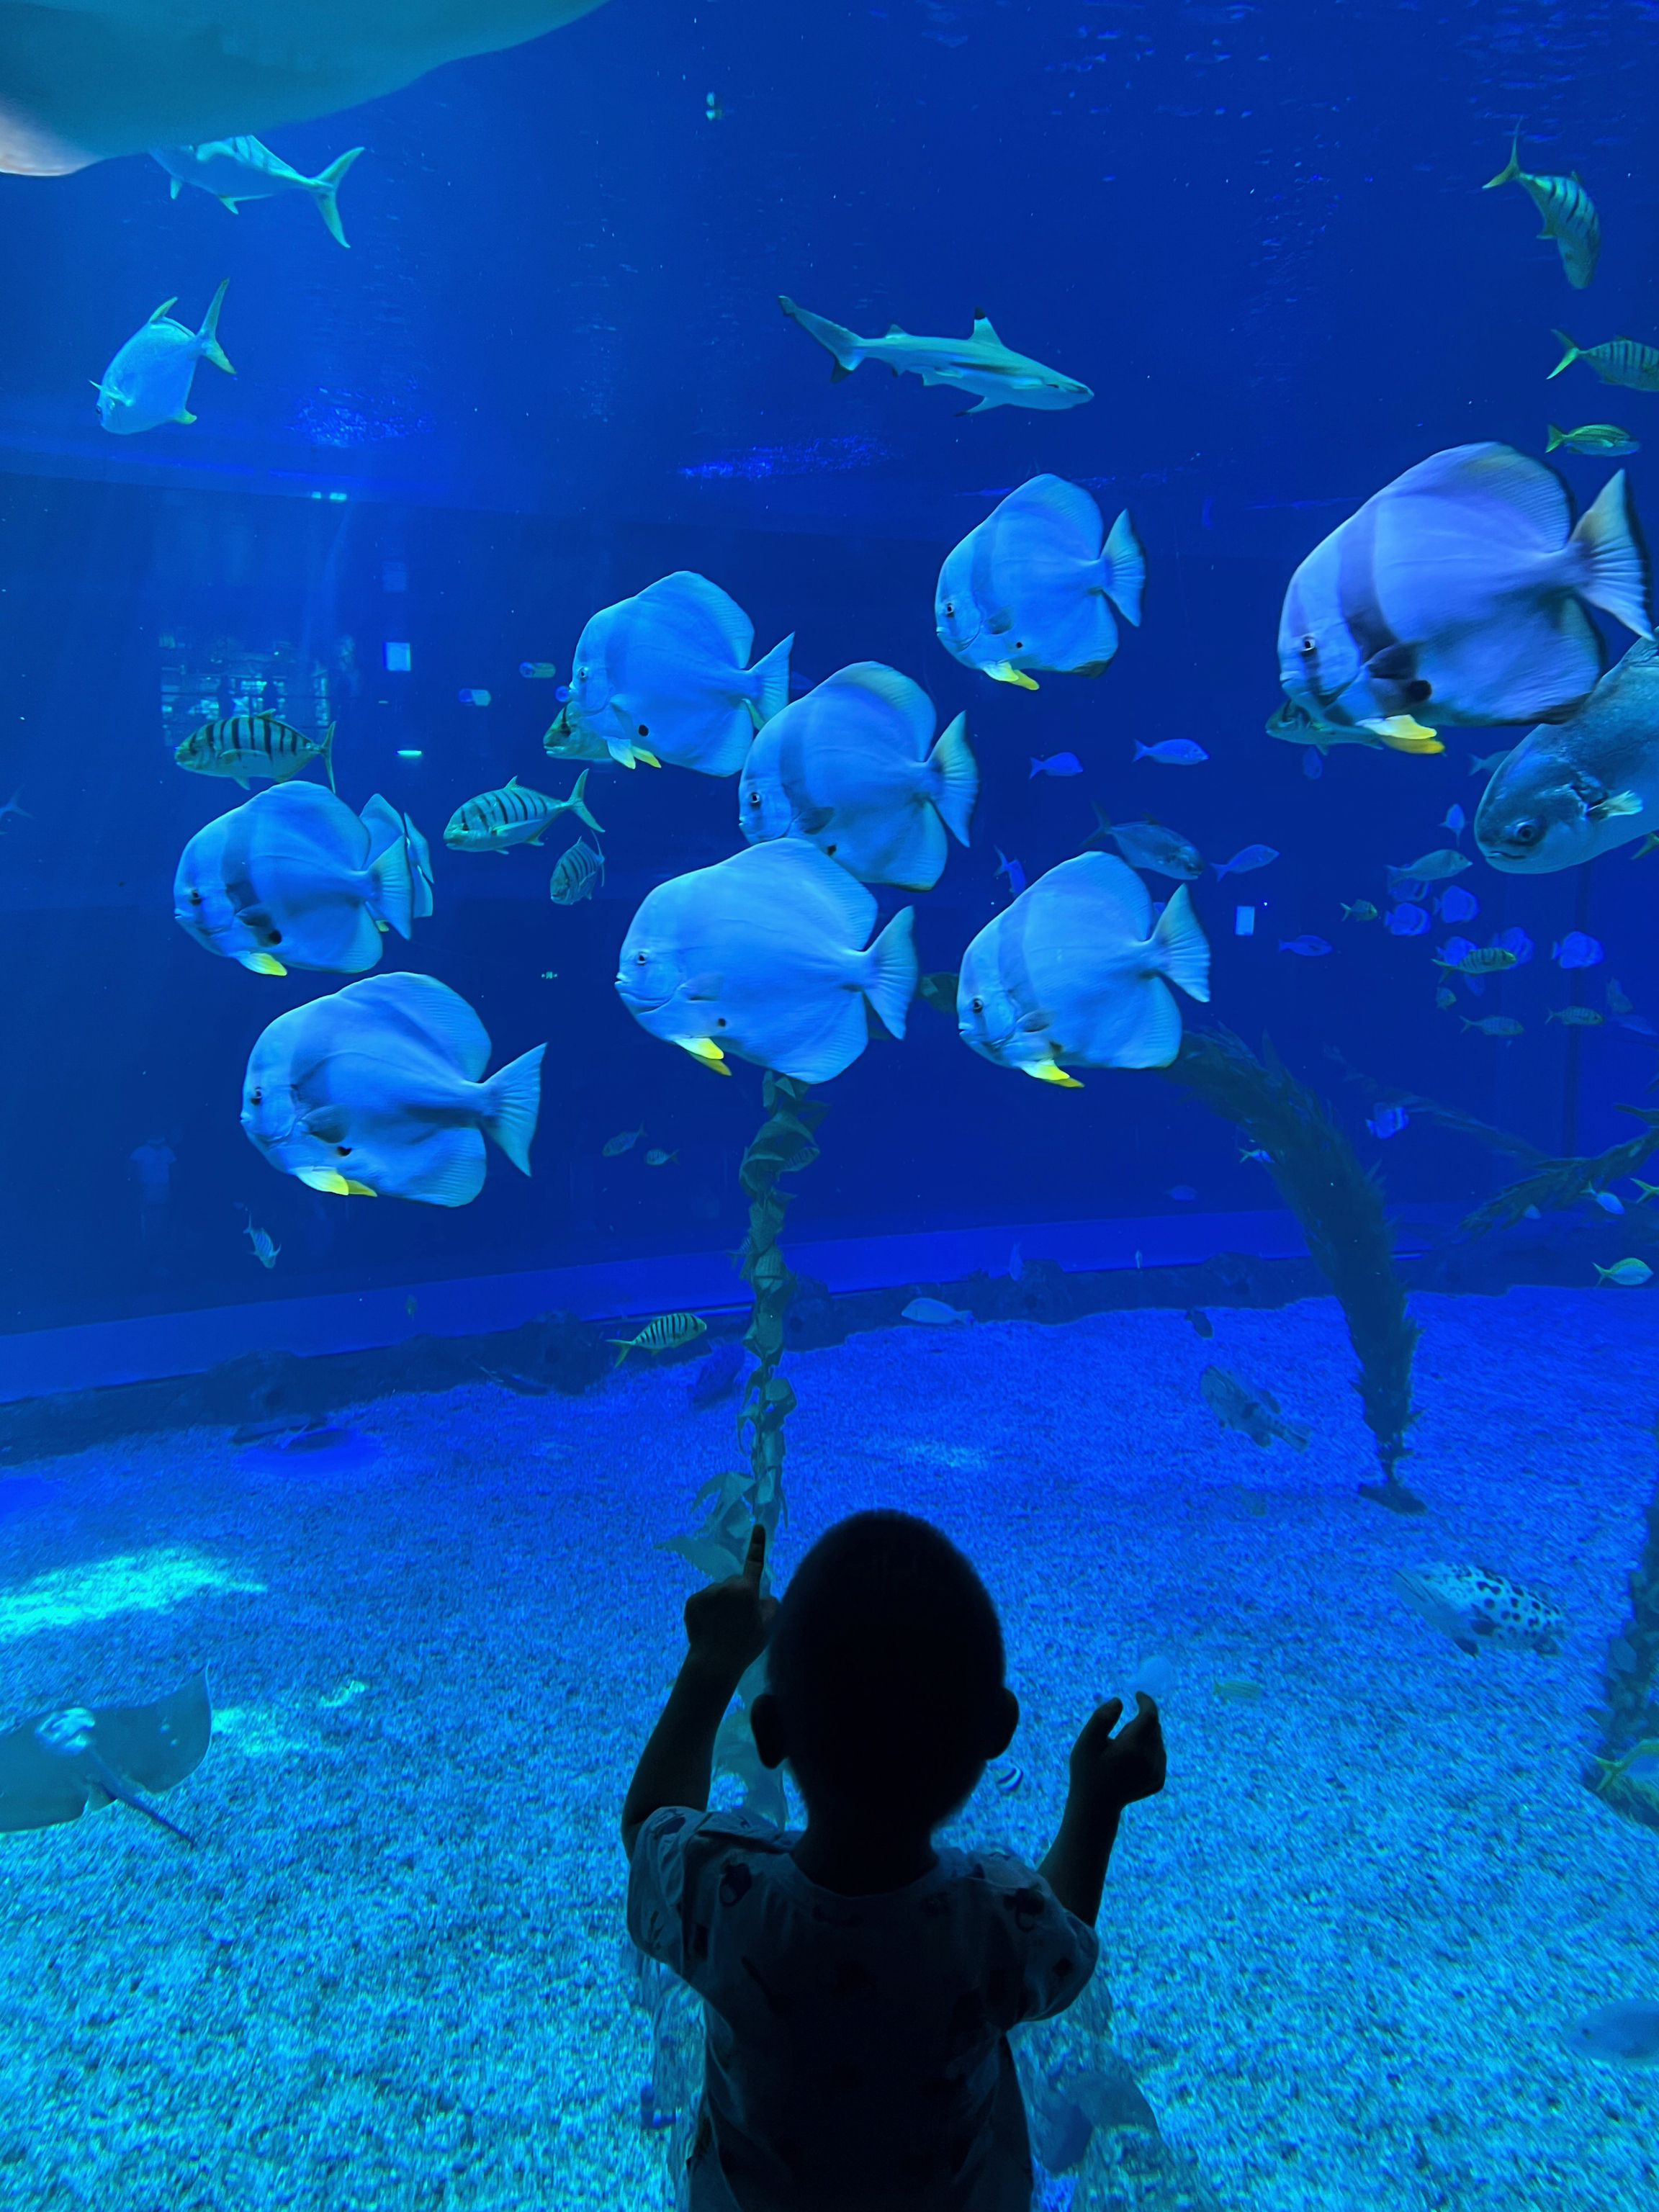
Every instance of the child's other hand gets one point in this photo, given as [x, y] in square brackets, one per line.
[1110, 1771]
[727, 1624]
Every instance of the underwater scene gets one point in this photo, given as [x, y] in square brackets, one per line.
[921, 1470]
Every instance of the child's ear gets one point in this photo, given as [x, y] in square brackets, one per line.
[1004, 1719]
[766, 1725]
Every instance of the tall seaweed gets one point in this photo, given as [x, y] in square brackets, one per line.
[1339, 1207]
[1552, 1185]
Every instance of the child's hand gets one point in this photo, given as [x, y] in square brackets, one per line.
[727, 1624]
[1110, 1771]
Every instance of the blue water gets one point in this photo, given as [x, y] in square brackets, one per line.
[550, 370]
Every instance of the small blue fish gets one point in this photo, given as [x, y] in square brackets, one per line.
[1249, 857]
[1387, 1121]
[1516, 940]
[1172, 752]
[1608, 1200]
[1305, 948]
[1458, 905]
[1313, 765]
[1576, 949]
[1455, 820]
[1405, 920]
[1056, 764]
[1012, 870]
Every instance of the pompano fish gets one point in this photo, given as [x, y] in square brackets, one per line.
[1150, 846]
[577, 874]
[1294, 724]
[760, 956]
[240, 746]
[1569, 214]
[1436, 867]
[853, 768]
[1075, 975]
[1458, 593]
[514, 815]
[379, 1091]
[148, 381]
[295, 880]
[237, 169]
[1572, 789]
[667, 670]
[979, 365]
[1034, 586]
[1253, 1413]
[84, 83]
[1616, 361]
[1475, 1607]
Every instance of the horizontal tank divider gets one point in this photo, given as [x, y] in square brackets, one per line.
[100, 1354]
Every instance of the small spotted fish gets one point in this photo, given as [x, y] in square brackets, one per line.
[514, 815]
[667, 1333]
[1569, 214]
[1473, 1606]
[577, 874]
[1619, 360]
[244, 746]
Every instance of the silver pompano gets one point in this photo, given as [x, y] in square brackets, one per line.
[1570, 790]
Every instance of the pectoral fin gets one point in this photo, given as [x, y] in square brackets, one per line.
[1615, 803]
[1402, 734]
[1004, 671]
[262, 964]
[184, 415]
[1049, 1070]
[705, 1050]
[338, 1185]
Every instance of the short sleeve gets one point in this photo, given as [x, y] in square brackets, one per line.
[675, 1873]
[1053, 1951]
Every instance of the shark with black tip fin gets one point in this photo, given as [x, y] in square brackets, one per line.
[980, 364]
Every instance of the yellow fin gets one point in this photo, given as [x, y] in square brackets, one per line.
[326, 1179]
[705, 1049]
[263, 963]
[1004, 671]
[1401, 734]
[1050, 1071]
[358, 1190]
[650, 759]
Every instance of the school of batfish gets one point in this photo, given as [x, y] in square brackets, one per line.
[1460, 594]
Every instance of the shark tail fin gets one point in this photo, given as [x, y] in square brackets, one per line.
[324, 190]
[770, 678]
[846, 345]
[208, 335]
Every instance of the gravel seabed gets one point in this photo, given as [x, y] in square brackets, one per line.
[1344, 1946]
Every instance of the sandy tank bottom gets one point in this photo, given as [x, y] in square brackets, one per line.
[1343, 1947]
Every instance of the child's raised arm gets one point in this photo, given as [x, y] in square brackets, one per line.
[1107, 1772]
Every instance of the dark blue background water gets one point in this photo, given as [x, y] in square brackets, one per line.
[552, 368]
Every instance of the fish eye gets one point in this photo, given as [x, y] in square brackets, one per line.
[196, 898]
[256, 1097]
[754, 799]
[1308, 645]
[950, 610]
[720, 1021]
[642, 959]
[344, 1150]
[978, 1006]
[581, 675]
[642, 730]
[1526, 831]
[273, 937]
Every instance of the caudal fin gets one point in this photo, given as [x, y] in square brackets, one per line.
[1182, 947]
[770, 677]
[889, 972]
[846, 345]
[1614, 572]
[1568, 357]
[1510, 170]
[1124, 565]
[391, 897]
[512, 1101]
[324, 190]
[577, 803]
[325, 750]
[1557, 437]
[207, 337]
[954, 779]
[420, 869]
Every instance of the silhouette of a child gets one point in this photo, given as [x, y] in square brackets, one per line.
[858, 1984]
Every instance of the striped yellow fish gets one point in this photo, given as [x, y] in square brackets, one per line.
[244, 746]
[666, 1333]
[512, 815]
[1569, 213]
[1619, 360]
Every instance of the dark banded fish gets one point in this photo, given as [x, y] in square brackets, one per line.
[244, 746]
[512, 815]
[1618, 360]
[667, 1333]
[577, 875]
[1569, 213]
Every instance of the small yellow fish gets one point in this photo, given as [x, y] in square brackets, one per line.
[665, 1334]
[1629, 1274]
[656, 1157]
[1361, 910]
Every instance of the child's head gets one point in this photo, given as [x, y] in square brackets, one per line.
[884, 1676]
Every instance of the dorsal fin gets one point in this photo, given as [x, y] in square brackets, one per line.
[896, 331]
[983, 327]
[513, 783]
[166, 306]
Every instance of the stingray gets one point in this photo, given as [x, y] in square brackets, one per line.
[56, 1765]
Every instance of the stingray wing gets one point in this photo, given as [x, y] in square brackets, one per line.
[155, 1747]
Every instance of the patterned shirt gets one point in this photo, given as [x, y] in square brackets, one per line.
[857, 2047]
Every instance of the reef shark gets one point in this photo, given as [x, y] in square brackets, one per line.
[980, 364]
